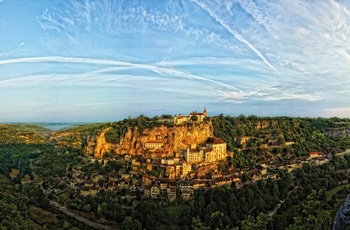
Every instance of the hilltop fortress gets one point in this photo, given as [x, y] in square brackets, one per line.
[194, 116]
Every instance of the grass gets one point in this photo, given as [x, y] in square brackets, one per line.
[42, 216]
[333, 191]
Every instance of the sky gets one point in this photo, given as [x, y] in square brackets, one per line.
[106, 60]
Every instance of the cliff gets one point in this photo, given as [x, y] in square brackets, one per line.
[172, 139]
[338, 132]
[98, 146]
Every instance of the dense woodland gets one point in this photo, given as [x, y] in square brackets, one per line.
[24, 206]
[309, 197]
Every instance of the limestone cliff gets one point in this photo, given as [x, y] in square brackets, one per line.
[173, 139]
[338, 132]
[98, 146]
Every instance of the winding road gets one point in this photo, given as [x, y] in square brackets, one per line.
[80, 218]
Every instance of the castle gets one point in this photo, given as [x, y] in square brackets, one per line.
[180, 119]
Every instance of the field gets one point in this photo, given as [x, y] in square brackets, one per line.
[333, 191]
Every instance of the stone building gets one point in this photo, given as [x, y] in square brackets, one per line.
[180, 119]
[213, 150]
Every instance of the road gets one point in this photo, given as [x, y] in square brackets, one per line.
[274, 210]
[80, 218]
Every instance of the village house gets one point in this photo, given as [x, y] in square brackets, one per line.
[185, 167]
[154, 145]
[317, 158]
[212, 151]
[171, 191]
[152, 191]
[186, 189]
[313, 155]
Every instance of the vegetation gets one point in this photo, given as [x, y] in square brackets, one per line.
[19, 134]
[304, 199]
[23, 204]
[255, 139]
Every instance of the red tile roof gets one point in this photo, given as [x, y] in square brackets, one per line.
[215, 140]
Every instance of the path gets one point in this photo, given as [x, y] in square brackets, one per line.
[274, 210]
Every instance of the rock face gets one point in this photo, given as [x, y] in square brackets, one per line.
[338, 132]
[101, 146]
[342, 219]
[173, 139]
[170, 140]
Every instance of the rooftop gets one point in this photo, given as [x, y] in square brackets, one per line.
[215, 140]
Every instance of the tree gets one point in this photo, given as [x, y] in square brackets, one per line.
[194, 118]
[281, 140]
[197, 224]
[260, 222]
[131, 224]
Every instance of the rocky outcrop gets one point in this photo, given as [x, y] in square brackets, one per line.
[101, 145]
[130, 143]
[338, 132]
[97, 145]
[173, 140]
[342, 219]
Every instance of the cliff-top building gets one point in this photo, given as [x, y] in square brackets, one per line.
[180, 119]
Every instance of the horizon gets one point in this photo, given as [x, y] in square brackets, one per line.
[73, 123]
[102, 61]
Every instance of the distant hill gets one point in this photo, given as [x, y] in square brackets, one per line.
[23, 134]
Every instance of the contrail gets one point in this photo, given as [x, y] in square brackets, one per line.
[156, 69]
[234, 33]
[64, 60]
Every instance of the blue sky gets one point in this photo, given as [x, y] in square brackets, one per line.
[103, 60]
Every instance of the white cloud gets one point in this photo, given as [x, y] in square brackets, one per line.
[159, 70]
[336, 112]
[238, 36]
[306, 41]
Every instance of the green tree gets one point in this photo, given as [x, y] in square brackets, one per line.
[261, 222]
[131, 224]
[197, 224]
[194, 118]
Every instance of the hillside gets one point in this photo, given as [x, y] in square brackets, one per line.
[23, 133]
[255, 139]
